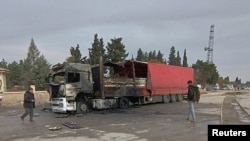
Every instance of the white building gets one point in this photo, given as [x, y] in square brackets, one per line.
[3, 86]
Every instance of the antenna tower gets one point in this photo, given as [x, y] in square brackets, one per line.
[209, 49]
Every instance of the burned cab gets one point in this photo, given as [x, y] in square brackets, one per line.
[68, 85]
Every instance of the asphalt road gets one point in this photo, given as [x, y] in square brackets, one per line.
[160, 121]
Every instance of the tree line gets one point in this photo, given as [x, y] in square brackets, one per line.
[34, 68]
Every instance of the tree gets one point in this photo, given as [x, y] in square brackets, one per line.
[178, 59]
[116, 50]
[237, 81]
[184, 63]
[29, 62]
[172, 56]
[13, 77]
[226, 80]
[41, 69]
[3, 64]
[75, 54]
[159, 57]
[70, 59]
[150, 56]
[154, 55]
[33, 67]
[140, 55]
[205, 73]
[146, 56]
[97, 50]
[33, 53]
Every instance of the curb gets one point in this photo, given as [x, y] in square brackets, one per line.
[242, 106]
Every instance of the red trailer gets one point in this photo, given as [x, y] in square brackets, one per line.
[141, 82]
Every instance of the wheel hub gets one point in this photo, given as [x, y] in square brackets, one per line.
[83, 107]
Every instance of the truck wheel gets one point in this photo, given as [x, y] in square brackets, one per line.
[123, 103]
[165, 98]
[81, 107]
[173, 98]
[179, 97]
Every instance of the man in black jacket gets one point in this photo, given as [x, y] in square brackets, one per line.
[28, 104]
[192, 97]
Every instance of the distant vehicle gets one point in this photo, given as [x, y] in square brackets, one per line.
[230, 87]
[245, 88]
[213, 88]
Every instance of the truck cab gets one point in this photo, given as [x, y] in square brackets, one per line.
[68, 85]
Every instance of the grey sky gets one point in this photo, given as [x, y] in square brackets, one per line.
[56, 25]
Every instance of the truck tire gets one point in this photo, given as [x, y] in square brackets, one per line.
[81, 107]
[165, 98]
[179, 97]
[173, 98]
[123, 103]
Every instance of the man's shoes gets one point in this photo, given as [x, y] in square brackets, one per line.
[22, 118]
[31, 120]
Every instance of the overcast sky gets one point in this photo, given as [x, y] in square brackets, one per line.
[56, 25]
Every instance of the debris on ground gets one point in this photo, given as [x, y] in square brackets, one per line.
[54, 128]
[46, 109]
[72, 125]
[62, 116]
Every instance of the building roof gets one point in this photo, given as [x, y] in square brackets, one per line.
[3, 70]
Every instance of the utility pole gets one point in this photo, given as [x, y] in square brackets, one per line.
[210, 49]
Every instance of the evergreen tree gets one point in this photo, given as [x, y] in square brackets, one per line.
[3, 64]
[33, 53]
[22, 71]
[140, 55]
[150, 56]
[184, 63]
[172, 56]
[41, 70]
[154, 57]
[33, 67]
[178, 59]
[237, 81]
[226, 79]
[97, 50]
[14, 77]
[159, 57]
[116, 50]
[29, 62]
[146, 56]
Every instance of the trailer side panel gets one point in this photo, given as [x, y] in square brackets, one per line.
[167, 79]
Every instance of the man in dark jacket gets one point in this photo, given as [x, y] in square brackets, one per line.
[192, 97]
[28, 104]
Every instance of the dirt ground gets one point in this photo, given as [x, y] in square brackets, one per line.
[161, 122]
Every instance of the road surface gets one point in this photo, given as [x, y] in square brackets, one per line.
[161, 122]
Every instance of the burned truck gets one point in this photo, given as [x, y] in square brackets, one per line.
[69, 84]
[81, 87]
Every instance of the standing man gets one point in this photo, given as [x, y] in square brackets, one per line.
[28, 104]
[192, 97]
